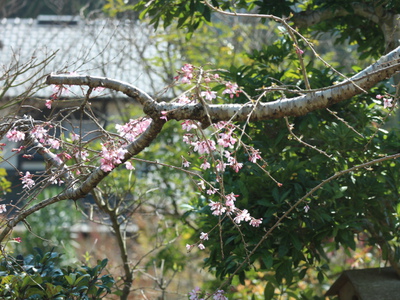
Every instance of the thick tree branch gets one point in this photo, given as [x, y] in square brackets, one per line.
[384, 68]
[94, 82]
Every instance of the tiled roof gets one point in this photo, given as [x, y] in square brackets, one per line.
[110, 48]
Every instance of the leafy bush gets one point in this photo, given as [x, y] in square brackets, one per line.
[39, 277]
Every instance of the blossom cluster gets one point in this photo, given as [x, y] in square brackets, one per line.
[219, 208]
[131, 130]
[27, 180]
[111, 156]
[218, 152]
[15, 135]
[197, 294]
[225, 139]
[387, 101]
[203, 237]
[185, 73]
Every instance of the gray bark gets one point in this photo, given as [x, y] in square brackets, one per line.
[311, 100]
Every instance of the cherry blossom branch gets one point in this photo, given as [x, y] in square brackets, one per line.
[52, 161]
[142, 142]
[80, 191]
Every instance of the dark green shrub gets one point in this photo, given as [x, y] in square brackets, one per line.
[40, 277]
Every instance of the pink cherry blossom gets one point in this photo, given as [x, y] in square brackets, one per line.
[129, 166]
[119, 155]
[209, 95]
[15, 136]
[220, 166]
[3, 208]
[75, 137]
[48, 103]
[27, 181]
[255, 155]
[58, 90]
[387, 102]
[188, 125]
[194, 294]
[230, 200]
[111, 157]
[187, 138]
[201, 246]
[299, 51]
[211, 191]
[226, 140]
[187, 73]
[204, 146]
[217, 208]
[164, 115]
[55, 144]
[236, 166]
[106, 165]
[83, 155]
[184, 99]
[255, 222]
[232, 89]
[204, 236]
[185, 163]
[131, 130]
[220, 125]
[18, 149]
[242, 216]
[64, 156]
[205, 165]
[219, 295]
[40, 133]
[55, 180]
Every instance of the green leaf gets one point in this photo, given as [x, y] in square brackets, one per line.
[268, 261]
[70, 278]
[269, 291]
[52, 290]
